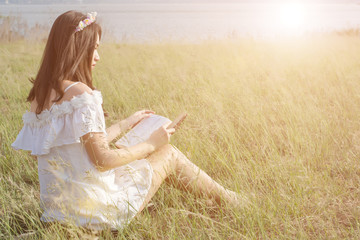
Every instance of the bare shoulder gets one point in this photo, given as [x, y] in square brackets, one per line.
[76, 89]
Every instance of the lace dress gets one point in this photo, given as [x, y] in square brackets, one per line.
[71, 188]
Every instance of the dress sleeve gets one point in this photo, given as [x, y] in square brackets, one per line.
[65, 124]
[89, 118]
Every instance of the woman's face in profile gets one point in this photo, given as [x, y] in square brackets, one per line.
[96, 56]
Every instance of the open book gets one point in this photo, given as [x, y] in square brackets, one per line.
[142, 131]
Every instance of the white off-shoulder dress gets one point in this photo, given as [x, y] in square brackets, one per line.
[71, 188]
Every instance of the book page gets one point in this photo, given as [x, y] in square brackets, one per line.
[142, 131]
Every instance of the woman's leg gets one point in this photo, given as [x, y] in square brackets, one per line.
[163, 163]
[170, 161]
[198, 182]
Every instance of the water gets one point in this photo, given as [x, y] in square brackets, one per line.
[146, 21]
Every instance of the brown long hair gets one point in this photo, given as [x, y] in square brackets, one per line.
[67, 56]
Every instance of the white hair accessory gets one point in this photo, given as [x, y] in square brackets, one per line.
[86, 22]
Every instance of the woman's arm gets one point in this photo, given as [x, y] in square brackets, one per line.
[124, 125]
[104, 158]
[116, 129]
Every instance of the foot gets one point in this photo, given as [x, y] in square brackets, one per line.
[236, 200]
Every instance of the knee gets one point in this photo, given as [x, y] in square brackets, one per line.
[168, 149]
[171, 154]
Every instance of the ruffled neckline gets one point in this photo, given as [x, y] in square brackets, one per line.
[66, 107]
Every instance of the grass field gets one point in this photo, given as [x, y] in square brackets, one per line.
[278, 121]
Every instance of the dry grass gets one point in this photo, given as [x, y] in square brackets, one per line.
[15, 28]
[276, 120]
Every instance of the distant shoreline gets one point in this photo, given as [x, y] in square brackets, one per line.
[116, 2]
[143, 21]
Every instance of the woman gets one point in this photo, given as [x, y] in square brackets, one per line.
[82, 180]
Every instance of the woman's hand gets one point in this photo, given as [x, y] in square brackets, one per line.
[161, 136]
[134, 119]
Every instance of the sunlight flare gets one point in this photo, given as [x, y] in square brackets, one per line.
[292, 16]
